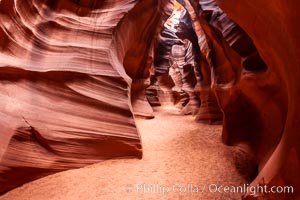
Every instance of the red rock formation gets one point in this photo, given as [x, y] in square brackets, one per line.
[258, 100]
[209, 111]
[272, 26]
[177, 54]
[139, 101]
[65, 92]
[66, 69]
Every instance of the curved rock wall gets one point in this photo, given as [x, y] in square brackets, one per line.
[209, 111]
[134, 38]
[255, 64]
[66, 69]
[273, 27]
[65, 93]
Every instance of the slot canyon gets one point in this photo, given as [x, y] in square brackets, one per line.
[149, 99]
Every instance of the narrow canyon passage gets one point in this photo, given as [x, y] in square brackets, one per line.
[179, 155]
[76, 75]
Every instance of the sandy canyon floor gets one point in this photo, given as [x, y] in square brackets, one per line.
[182, 160]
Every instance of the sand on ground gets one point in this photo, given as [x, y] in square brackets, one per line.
[182, 160]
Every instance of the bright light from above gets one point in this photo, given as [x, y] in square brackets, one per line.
[173, 20]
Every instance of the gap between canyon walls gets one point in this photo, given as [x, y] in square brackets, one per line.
[73, 76]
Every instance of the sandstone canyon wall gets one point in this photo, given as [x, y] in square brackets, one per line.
[252, 52]
[73, 74]
[65, 72]
[273, 27]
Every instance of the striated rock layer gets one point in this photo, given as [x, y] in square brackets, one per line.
[65, 94]
[252, 49]
[273, 27]
[209, 111]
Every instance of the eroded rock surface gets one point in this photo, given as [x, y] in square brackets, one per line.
[66, 69]
[272, 26]
[252, 49]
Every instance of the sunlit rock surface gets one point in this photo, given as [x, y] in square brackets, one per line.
[73, 74]
[178, 34]
[65, 94]
[209, 111]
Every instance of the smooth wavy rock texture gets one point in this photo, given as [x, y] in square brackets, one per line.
[253, 54]
[64, 90]
[273, 27]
